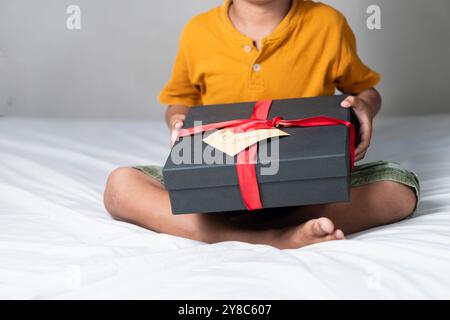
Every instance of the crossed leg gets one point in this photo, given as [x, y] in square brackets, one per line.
[132, 196]
[371, 205]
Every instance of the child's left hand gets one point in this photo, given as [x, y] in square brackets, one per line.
[365, 108]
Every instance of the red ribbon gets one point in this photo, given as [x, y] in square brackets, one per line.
[245, 162]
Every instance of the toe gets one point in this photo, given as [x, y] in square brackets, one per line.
[313, 231]
[323, 227]
[339, 234]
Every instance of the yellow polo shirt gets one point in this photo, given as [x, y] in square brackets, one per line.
[311, 53]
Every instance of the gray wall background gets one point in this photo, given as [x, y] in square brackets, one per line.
[116, 64]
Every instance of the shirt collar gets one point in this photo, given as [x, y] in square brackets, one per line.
[291, 19]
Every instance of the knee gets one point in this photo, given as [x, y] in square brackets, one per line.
[400, 200]
[115, 190]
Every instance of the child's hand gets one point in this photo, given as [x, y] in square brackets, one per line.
[175, 116]
[175, 127]
[364, 111]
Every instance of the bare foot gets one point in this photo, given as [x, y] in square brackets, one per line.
[310, 232]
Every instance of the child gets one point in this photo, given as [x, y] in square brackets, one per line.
[248, 50]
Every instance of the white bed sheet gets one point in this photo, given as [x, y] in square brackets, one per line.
[57, 241]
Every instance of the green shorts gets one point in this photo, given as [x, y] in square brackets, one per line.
[362, 175]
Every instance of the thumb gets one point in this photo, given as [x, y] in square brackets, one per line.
[177, 124]
[173, 137]
[349, 102]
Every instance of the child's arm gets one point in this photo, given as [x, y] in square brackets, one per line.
[175, 116]
[366, 106]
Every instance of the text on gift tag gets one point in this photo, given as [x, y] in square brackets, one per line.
[232, 143]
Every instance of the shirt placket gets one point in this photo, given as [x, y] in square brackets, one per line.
[254, 65]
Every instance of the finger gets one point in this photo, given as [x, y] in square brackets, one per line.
[350, 102]
[178, 124]
[360, 156]
[366, 135]
[173, 136]
[362, 147]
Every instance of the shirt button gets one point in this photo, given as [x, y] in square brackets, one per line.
[256, 67]
[247, 48]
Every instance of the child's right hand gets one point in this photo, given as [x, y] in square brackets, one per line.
[175, 127]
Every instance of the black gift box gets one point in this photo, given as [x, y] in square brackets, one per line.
[313, 165]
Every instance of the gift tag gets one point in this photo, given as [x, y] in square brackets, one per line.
[232, 143]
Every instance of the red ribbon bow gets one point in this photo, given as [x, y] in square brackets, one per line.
[245, 162]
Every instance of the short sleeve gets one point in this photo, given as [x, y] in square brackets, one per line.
[352, 75]
[179, 90]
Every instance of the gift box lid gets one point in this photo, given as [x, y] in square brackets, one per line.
[307, 153]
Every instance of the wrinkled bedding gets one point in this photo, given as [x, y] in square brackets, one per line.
[58, 242]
